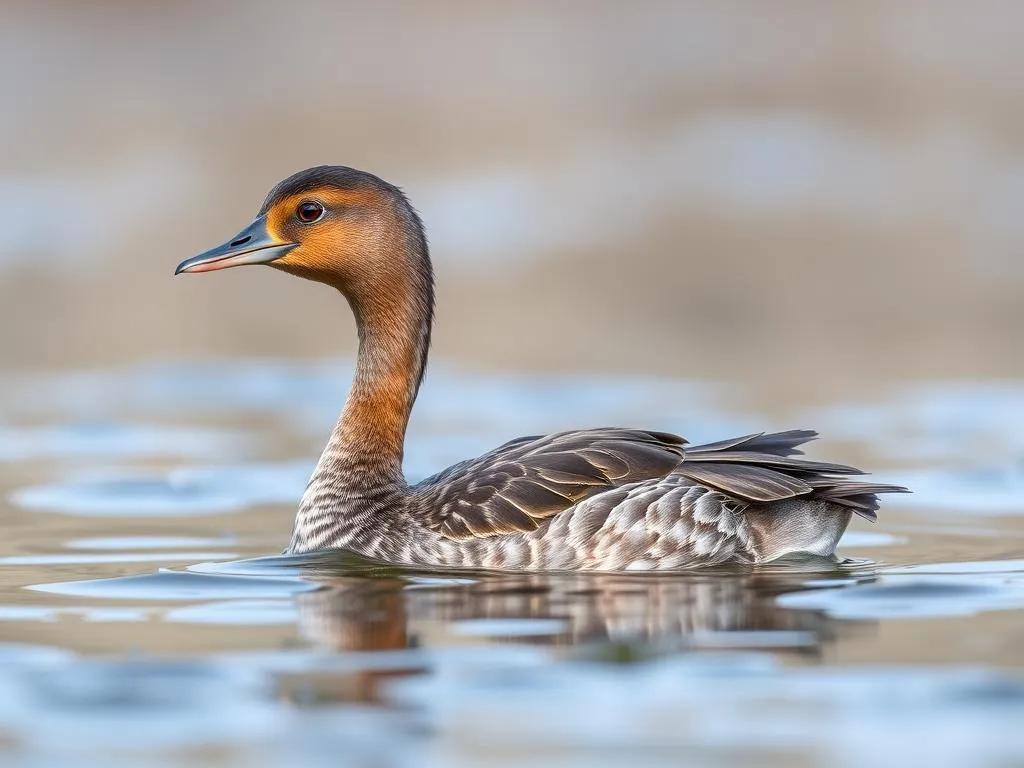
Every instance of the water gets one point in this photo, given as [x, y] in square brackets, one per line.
[144, 619]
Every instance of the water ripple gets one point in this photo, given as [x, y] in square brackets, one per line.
[106, 440]
[184, 491]
[921, 591]
[178, 585]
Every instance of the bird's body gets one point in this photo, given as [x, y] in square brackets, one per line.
[601, 499]
[597, 499]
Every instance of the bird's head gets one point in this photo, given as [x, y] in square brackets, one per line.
[332, 224]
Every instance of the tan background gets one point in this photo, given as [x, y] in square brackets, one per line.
[808, 196]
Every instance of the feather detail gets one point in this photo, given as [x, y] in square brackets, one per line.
[527, 480]
[746, 482]
[524, 482]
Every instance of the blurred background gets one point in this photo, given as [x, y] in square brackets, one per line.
[810, 197]
[707, 217]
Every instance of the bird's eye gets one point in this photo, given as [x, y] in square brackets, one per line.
[309, 212]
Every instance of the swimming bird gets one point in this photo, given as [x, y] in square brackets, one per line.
[594, 499]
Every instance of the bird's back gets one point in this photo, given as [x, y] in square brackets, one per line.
[629, 500]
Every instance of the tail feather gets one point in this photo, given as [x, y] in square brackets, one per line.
[760, 468]
[772, 443]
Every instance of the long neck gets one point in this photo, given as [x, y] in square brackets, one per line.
[393, 343]
[359, 473]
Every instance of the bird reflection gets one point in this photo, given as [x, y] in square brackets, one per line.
[615, 617]
[353, 613]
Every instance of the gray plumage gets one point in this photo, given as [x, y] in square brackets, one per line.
[602, 499]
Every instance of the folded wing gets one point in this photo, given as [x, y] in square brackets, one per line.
[517, 486]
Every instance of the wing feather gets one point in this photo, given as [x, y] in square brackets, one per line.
[746, 482]
[518, 485]
[514, 487]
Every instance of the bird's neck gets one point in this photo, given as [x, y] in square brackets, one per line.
[393, 342]
[360, 470]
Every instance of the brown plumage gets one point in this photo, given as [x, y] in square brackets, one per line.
[602, 499]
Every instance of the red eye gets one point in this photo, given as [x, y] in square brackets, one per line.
[309, 212]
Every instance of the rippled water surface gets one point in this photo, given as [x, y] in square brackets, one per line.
[145, 620]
